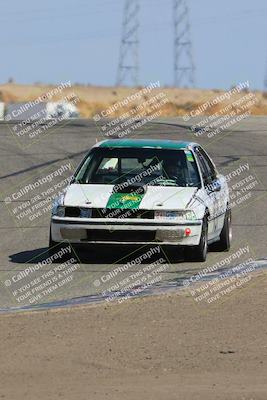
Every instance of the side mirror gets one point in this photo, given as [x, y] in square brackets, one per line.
[213, 186]
[216, 186]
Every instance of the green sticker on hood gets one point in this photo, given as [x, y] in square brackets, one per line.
[125, 200]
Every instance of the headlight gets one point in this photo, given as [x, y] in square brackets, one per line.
[60, 211]
[187, 215]
[57, 206]
[190, 215]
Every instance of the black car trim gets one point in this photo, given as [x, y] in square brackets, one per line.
[132, 222]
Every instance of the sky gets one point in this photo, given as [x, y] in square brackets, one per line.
[56, 41]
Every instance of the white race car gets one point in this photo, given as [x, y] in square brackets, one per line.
[145, 192]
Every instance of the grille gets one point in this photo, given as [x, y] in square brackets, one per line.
[72, 212]
[122, 213]
[120, 236]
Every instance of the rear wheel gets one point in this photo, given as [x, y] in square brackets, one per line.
[199, 252]
[224, 243]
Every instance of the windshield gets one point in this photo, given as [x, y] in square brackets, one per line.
[139, 167]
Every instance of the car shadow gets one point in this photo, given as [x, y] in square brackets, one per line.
[104, 254]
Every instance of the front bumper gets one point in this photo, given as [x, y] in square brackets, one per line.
[82, 231]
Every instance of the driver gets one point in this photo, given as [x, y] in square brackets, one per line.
[173, 170]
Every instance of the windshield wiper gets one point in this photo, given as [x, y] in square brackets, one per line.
[165, 182]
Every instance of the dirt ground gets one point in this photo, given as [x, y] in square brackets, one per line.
[160, 347]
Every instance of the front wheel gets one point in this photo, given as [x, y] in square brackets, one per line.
[224, 243]
[199, 252]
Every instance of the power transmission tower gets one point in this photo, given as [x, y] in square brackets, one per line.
[265, 80]
[184, 69]
[128, 61]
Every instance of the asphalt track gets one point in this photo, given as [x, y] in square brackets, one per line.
[24, 245]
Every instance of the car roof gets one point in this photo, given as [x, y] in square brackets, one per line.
[146, 143]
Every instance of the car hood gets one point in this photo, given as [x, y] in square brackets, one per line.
[155, 197]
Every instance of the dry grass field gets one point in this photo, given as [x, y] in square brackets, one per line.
[93, 99]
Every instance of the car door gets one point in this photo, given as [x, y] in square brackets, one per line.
[218, 189]
[209, 195]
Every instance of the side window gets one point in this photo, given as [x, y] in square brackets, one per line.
[207, 168]
[212, 175]
[202, 166]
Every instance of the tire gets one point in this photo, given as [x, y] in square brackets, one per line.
[199, 252]
[224, 243]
